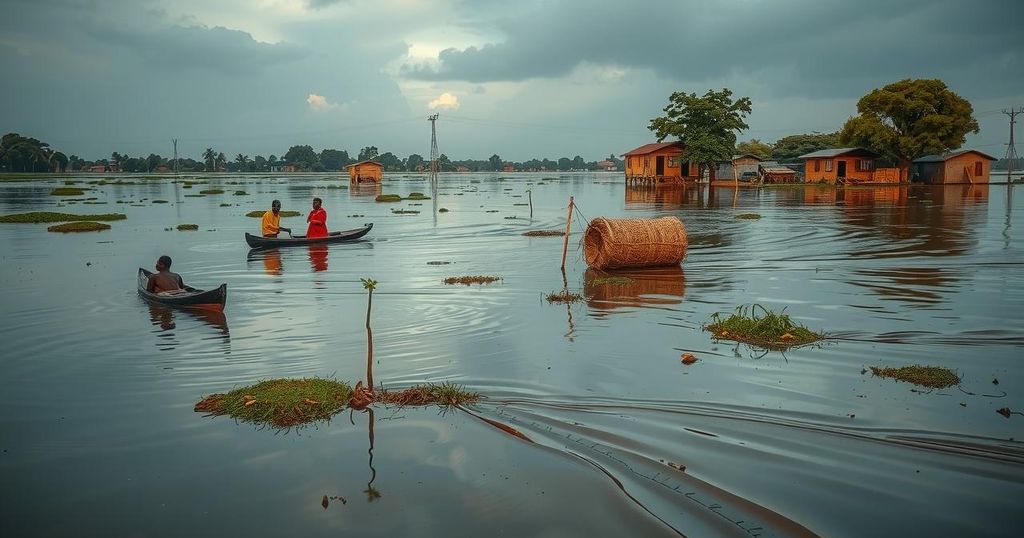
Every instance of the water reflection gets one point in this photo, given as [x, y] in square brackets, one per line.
[318, 257]
[636, 288]
[165, 318]
[271, 258]
[365, 189]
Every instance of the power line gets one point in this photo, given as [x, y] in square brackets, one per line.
[1011, 150]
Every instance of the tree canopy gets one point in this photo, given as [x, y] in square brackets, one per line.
[909, 119]
[755, 147]
[707, 125]
[790, 147]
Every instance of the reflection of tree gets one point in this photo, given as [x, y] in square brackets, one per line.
[372, 493]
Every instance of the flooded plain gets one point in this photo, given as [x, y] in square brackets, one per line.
[99, 437]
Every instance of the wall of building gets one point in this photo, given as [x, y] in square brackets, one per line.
[646, 165]
[813, 175]
[954, 169]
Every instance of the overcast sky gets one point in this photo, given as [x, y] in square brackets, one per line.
[524, 78]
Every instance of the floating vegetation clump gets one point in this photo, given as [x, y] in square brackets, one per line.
[442, 394]
[544, 233]
[388, 198]
[748, 216]
[417, 196]
[769, 330]
[566, 297]
[467, 280]
[79, 226]
[67, 191]
[438, 263]
[225, 205]
[934, 377]
[281, 403]
[613, 280]
[405, 212]
[212, 191]
[37, 217]
[443, 210]
[241, 193]
[258, 214]
[159, 201]
[188, 227]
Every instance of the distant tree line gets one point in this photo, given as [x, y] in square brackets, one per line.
[20, 154]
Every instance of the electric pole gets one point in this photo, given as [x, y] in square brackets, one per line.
[433, 148]
[175, 142]
[1011, 150]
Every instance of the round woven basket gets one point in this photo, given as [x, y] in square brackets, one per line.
[611, 243]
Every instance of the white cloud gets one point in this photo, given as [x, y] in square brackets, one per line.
[445, 101]
[319, 103]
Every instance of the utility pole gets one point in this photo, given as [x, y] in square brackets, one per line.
[433, 148]
[1011, 150]
[175, 141]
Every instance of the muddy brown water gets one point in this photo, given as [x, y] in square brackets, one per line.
[97, 387]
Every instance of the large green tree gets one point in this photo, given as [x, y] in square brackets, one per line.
[302, 156]
[334, 159]
[414, 161]
[755, 147]
[706, 125]
[367, 153]
[210, 156]
[495, 162]
[790, 147]
[909, 119]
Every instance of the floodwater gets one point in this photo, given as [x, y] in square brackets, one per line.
[99, 437]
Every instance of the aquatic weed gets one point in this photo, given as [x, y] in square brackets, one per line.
[79, 226]
[37, 217]
[281, 403]
[769, 330]
[935, 377]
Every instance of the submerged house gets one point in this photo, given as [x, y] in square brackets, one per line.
[659, 163]
[846, 165]
[365, 171]
[773, 172]
[745, 167]
[963, 166]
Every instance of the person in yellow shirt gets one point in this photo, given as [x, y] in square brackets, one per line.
[272, 221]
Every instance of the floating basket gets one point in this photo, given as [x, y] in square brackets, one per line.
[611, 243]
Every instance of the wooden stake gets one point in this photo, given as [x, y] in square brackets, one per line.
[529, 193]
[565, 244]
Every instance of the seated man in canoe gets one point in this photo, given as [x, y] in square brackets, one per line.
[317, 220]
[163, 280]
[271, 225]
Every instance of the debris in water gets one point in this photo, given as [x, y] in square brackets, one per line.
[467, 280]
[935, 377]
[688, 358]
[769, 330]
[566, 297]
[1005, 411]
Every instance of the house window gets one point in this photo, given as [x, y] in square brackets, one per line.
[865, 164]
[977, 168]
[817, 165]
[673, 161]
[828, 165]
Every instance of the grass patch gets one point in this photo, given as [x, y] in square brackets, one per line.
[748, 216]
[67, 191]
[258, 214]
[79, 226]
[281, 403]
[212, 191]
[544, 233]
[467, 280]
[566, 297]
[405, 212]
[934, 377]
[613, 280]
[441, 394]
[387, 198]
[443, 210]
[769, 330]
[188, 227]
[37, 217]
[417, 196]
[159, 201]
[225, 205]
[241, 193]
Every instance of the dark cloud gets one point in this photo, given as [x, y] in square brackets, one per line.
[811, 48]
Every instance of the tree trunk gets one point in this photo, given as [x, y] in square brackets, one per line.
[904, 165]
[369, 344]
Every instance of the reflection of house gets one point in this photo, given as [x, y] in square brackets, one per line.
[964, 166]
[607, 165]
[745, 166]
[846, 165]
[659, 163]
[365, 171]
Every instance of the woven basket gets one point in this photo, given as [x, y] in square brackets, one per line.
[611, 243]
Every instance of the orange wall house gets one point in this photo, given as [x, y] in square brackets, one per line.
[659, 163]
[846, 164]
[964, 166]
[365, 171]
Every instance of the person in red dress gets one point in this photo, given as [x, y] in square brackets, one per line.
[317, 220]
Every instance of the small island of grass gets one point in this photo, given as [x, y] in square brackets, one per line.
[748, 216]
[934, 377]
[78, 226]
[566, 297]
[417, 196]
[544, 233]
[38, 217]
[388, 198]
[770, 330]
[241, 193]
[67, 191]
[467, 280]
[212, 191]
[188, 227]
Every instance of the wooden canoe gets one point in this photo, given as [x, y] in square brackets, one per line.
[256, 241]
[191, 298]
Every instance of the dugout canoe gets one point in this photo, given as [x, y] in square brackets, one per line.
[256, 241]
[191, 298]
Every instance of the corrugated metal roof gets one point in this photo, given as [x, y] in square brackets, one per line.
[364, 162]
[777, 170]
[741, 155]
[835, 152]
[950, 155]
[651, 148]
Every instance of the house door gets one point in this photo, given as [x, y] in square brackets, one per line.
[659, 165]
[841, 169]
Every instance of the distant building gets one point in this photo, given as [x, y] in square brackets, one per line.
[659, 163]
[508, 168]
[365, 171]
[98, 168]
[773, 172]
[963, 166]
[161, 169]
[462, 168]
[745, 166]
[607, 165]
[846, 165]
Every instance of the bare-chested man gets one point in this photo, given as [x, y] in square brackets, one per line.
[164, 280]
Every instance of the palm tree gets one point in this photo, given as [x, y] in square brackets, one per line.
[242, 160]
[369, 284]
[221, 159]
[210, 156]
